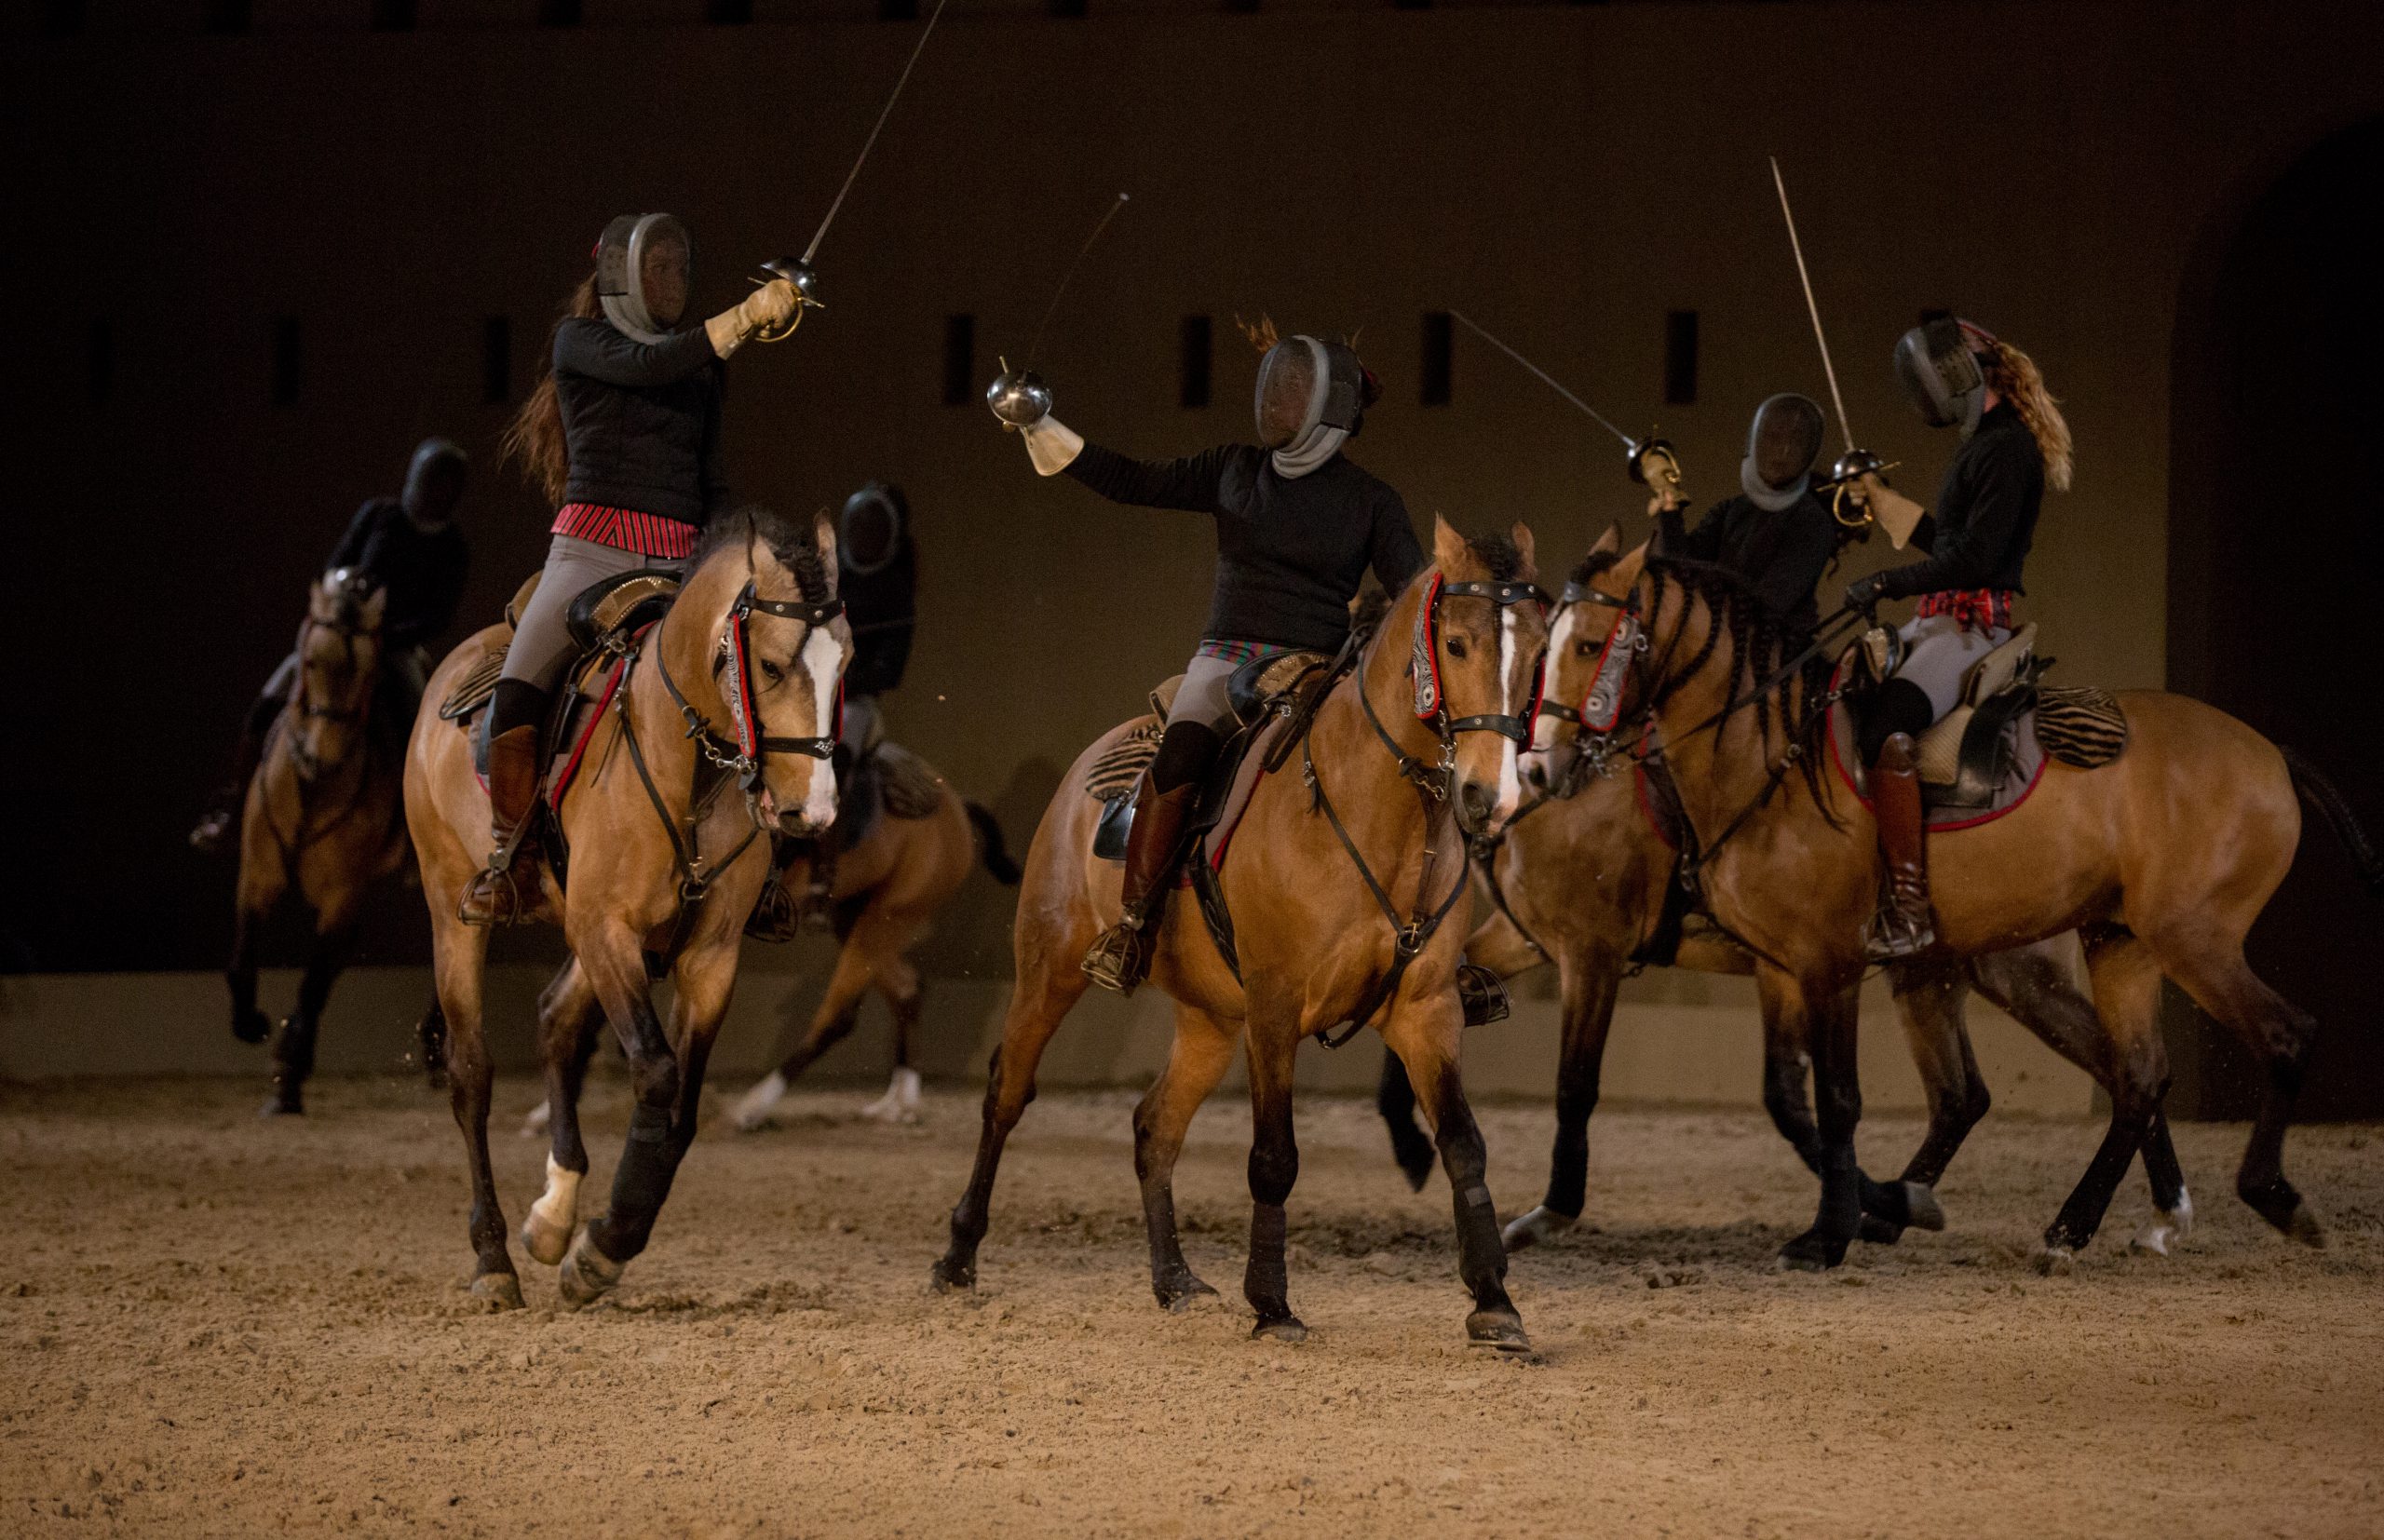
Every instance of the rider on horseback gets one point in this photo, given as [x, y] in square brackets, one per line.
[1776, 534]
[2014, 444]
[624, 433]
[1298, 524]
[409, 548]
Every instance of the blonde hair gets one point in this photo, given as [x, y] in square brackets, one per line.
[2016, 377]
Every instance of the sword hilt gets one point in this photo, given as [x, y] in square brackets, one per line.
[1654, 462]
[806, 280]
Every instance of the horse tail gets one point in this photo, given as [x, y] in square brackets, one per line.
[2328, 802]
[990, 848]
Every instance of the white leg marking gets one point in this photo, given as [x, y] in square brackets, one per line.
[534, 1122]
[822, 652]
[1537, 1228]
[557, 1206]
[901, 1102]
[2167, 1226]
[754, 1108]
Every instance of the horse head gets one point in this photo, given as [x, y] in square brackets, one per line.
[1479, 640]
[1595, 635]
[779, 644]
[339, 664]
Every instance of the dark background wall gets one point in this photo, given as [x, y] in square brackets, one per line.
[2092, 180]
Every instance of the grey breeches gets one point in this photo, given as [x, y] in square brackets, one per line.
[1201, 697]
[1939, 650]
[542, 643]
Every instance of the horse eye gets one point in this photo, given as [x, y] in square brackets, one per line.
[772, 672]
[1585, 649]
[1457, 647]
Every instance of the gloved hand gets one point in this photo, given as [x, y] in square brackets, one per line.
[1864, 592]
[1051, 444]
[769, 306]
[1666, 500]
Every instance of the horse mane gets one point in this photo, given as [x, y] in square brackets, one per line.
[1501, 554]
[789, 540]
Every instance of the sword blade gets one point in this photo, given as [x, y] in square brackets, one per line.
[1036, 346]
[867, 144]
[1544, 377]
[1815, 310]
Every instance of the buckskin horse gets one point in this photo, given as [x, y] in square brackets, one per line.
[1337, 881]
[904, 867]
[666, 825]
[2161, 859]
[321, 816]
[1582, 877]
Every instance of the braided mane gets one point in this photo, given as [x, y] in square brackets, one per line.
[789, 540]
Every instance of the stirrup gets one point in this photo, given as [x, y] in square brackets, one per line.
[1119, 958]
[775, 917]
[1483, 993]
[1894, 935]
[495, 897]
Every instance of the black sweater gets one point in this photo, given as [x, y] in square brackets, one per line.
[1780, 556]
[1978, 535]
[422, 574]
[1290, 553]
[640, 420]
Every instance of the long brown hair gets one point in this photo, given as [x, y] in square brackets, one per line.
[2015, 378]
[535, 436]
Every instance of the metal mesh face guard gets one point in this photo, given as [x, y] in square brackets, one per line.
[1424, 661]
[1938, 371]
[644, 263]
[752, 744]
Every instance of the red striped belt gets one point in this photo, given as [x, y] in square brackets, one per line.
[626, 530]
[1979, 609]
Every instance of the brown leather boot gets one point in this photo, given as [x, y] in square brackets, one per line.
[1903, 927]
[507, 888]
[1120, 958]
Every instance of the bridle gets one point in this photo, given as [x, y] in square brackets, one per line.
[750, 743]
[309, 768]
[1622, 654]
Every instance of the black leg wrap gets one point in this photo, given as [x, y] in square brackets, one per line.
[649, 1161]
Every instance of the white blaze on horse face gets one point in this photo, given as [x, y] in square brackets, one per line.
[1543, 732]
[1510, 785]
[821, 654]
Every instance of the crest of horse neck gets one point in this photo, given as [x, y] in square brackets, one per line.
[1379, 805]
[682, 643]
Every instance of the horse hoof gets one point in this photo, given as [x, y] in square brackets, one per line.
[752, 1110]
[1880, 1232]
[1182, 1293]
[498, 1290]
[545, 1242]
[1810, 1253]
[1921, 1209]
[1500, 1330]
[2304, 1227]
[252, 1027]
[2055, 1261]
[283, 1104]
[2157, 1237]
[1282, 1328]
[1538, 1228]
[588, 1275]
[948, 1277]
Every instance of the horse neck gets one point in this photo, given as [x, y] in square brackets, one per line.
[1360, 775]
[682, 643]
[1725, 767]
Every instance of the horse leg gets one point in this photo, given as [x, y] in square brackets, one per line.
[1274, 1166]
[1589, 985]
[831, 1023]
[293, 1050]
[430, 1043]
[2126, 974]
[1049, 984]
[898, 983]
[569, 1014]
[1425, 1033]
[1887, 1206]
[1202, 1050]
[615, 962]
[262, 885]
[2173, 1218]
[459, 957]
[1395, 1099]
[1829, 1026]
[2281, 1033]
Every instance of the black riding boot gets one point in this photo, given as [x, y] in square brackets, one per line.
[1903, 927]
[1121, 957]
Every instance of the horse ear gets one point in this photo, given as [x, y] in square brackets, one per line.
[823, 535]
[1527, 550]
[1448, 546]
[1610, 543]
[375, 605]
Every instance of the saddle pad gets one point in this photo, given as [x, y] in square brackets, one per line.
[907, 785]
[472, 689]
[2023, 760]
[1121, 764]
[2081, 726]
[1246, 777]
[587, 710]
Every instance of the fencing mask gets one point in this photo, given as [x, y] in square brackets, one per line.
[1311, 397]
[434, 482]
[1782, 442]
[871, 531]
[1939, 372]
[643, 264]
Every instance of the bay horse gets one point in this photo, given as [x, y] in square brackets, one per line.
[2161, 859]
[1337, 881]
[1580, 877]
[889, 888]
[322, 816]
[667, 827]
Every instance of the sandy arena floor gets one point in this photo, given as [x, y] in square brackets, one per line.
[216, 1326]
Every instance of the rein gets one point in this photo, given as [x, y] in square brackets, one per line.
[310, 769]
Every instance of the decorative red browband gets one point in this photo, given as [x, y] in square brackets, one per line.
[626, 530]
[1979, 609]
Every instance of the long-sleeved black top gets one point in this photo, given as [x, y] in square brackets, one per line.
[422, 574]
[881, 606]
[1780, 556]
[1291, 552]
[1978, 535]
[640, 420]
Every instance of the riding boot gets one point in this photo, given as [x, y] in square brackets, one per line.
[248, 753]
[498, 895]
[1903, 927]
[1120, 958]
